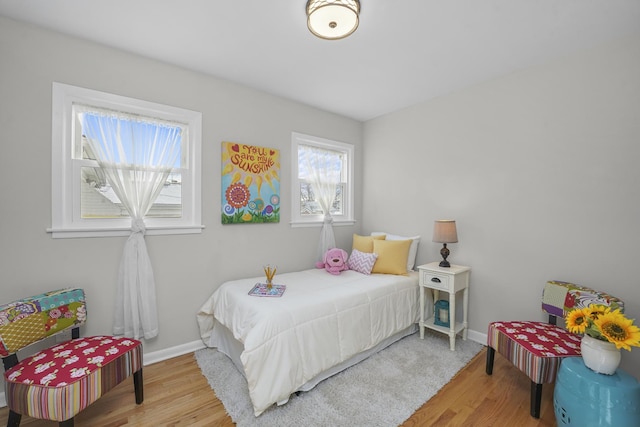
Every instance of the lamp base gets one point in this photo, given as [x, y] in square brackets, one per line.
[445, 253]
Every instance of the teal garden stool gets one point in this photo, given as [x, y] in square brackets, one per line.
[584, 398]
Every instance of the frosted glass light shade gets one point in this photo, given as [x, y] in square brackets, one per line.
[332, 19]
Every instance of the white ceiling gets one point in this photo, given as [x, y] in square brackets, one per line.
[404, 51]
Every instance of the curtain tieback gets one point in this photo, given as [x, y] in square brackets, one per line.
[137, 226]
[328, 219]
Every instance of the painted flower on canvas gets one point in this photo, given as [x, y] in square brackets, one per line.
[250, 175]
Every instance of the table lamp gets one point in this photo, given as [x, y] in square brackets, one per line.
[444, 231]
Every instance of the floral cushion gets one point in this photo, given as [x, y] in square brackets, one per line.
[536, 348]
[541, 339]
[65, 363]
[74, 374]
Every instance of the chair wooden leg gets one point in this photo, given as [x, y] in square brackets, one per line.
[66, 423]
[137, 385]
[14, 419]
[491, 353]
[536, 398]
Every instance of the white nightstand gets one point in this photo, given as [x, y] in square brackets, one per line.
[448, 279]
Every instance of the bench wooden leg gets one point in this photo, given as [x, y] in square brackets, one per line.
[137, 384]
[14, 419]
[536, 397]
[491, 354]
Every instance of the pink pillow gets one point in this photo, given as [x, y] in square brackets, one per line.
[362, 262]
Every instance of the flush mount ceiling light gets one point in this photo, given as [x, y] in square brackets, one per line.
[332, 19]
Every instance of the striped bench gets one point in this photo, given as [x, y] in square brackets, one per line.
[59, 382]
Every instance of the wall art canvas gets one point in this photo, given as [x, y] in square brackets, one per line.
[250, 184]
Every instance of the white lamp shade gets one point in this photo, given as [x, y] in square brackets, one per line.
[332, 19]
[444, 231]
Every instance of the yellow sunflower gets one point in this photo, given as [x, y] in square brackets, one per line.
[618, 329]
[596, 310]
[577, 320]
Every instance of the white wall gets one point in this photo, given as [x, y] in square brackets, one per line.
[188, 268]
[539, 168]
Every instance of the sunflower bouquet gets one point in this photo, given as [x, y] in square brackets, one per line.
[600, 322]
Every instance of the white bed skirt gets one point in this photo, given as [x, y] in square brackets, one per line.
[222, 339]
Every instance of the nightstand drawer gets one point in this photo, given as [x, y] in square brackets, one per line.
[435, 281]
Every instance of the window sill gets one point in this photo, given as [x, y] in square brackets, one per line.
[318, 223]
[69, 233]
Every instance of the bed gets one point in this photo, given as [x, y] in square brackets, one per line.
[322, 324]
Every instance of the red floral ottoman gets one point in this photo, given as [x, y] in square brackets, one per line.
[61, 381]
[536, 348]
[57, 383]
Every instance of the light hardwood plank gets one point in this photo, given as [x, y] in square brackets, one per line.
[176, 394]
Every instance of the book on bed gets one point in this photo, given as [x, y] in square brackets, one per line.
[261, 290]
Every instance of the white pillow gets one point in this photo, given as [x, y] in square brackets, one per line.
[413, 249]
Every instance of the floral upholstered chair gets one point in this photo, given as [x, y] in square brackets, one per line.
[59, 382]
[537, 348]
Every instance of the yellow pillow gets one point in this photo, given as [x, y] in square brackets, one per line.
[392, 256]
[365, 243]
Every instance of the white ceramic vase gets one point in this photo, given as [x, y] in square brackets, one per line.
[600, 356]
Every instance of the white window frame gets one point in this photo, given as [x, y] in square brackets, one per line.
[347, 217]
[66, 189]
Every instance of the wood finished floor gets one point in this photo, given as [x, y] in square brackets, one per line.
[176, 394]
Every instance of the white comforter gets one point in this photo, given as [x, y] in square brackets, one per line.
[319, 322]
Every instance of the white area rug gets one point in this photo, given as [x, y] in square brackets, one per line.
[383, 390]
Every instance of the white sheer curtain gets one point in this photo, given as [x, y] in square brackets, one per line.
[323, 173]
[136, 156]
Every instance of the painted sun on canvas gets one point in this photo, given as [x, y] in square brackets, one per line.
[250, 184]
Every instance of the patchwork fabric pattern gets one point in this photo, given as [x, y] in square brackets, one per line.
[362, 262]
[536, 348]
[59, 382]
[31, 319]
[560, 297]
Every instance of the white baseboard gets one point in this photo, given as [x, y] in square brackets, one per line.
[478, 337]
[168, 353]
[151, 358]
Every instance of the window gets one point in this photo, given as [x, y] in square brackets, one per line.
[337, 166]
[83, 202]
